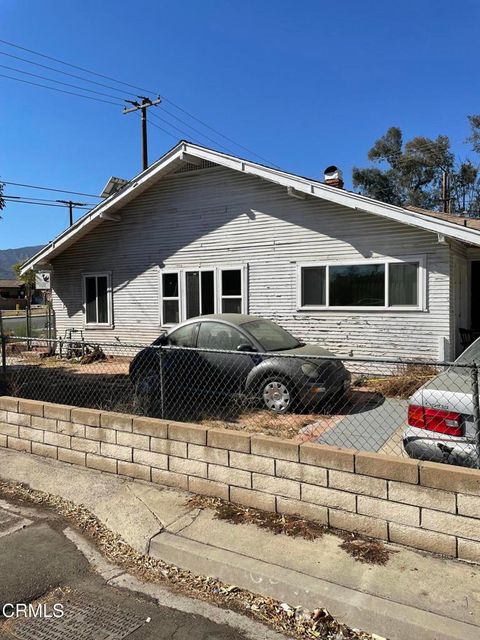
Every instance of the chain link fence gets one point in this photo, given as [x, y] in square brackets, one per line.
[426, 410]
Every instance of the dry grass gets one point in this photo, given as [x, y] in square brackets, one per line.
[410, 378]
[263, 421]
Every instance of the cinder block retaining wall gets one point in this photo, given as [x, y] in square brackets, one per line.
[424, 505]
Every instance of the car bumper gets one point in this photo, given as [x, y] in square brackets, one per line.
[457, 451]
[313, 392]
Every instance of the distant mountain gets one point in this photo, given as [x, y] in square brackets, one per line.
[9, 257]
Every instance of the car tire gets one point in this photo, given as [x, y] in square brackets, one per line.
[277, 394]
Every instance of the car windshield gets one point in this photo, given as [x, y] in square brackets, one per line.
[270, 335]
[471, 354]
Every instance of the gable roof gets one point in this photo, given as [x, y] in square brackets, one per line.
[184, 151]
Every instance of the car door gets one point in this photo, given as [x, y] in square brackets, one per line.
[181, 364]
[223, 372]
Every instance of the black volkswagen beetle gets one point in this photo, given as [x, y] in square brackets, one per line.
[279, 383]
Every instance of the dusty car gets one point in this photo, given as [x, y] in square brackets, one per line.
[440, 425]
[279, 383]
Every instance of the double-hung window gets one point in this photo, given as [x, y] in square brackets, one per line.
[371, 284]
[97, 299]
[187, 293]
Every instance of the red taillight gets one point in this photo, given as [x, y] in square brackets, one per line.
[448, 422]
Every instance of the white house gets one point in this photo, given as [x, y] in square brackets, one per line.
[200, 231]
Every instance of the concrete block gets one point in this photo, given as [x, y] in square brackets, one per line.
[301, 472]
[57, 411]
[9, 404]
[235, 477]
[467, 505]
[170, 479]
[45, 450]
[87, 446]
[421, 496]
[21, 419]
[275, 447]
[27, 433]
[90, 417]
[139, 471]
[46, 424]
[150, 427]
[208, 487]
[150, 459]
[449, 523]
[325, 456]
[328, 497]
[253, 499]
[303, 509]
[70, 428]
[187, 467]
[102, 464]
[101, 434]
[251, 462]
[9, 429]
[450, 478]
[229, 439]
[117, 421]
[356, 483]
[73, 457]
[387, 510]
[169, 447]
[19, 445]
[57, 439]
[3, 440]
[185, 432]
[3, 415]
[32, 407]
[365, 525]
[135, 440]
[388, 467]
[116, 451]
[468, 550]
[208, 454]
[276, 486]
[421, 539]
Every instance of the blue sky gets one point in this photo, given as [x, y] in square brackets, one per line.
[304, 84]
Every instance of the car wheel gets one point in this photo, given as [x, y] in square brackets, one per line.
[277, 394]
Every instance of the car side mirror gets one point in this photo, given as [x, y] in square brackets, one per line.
[246, 348]
[161, 341]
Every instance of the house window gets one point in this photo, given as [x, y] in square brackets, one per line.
[170, 298]
[372, 284]
[197, 292]
[97, 298]
[231, 291]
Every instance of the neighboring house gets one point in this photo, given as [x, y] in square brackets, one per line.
[201, 231]
[12, 294]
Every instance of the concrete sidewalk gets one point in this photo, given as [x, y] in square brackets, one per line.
[416, 595]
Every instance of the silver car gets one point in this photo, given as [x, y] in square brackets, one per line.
[440, 424]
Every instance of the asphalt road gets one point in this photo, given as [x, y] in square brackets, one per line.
[39, 563]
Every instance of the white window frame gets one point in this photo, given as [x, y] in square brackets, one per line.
[178, 298]
[421, 284]
[198, 270]
[217, 283]
[98, 325]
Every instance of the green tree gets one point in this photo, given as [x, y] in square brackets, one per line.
[409, 173]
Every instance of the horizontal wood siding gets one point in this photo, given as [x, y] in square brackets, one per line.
[217, 216]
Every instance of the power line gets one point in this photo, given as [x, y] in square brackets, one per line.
[42, 204]
[44, 86]
[165, 99]
[66, 84]
[32, 186]
[65, 73]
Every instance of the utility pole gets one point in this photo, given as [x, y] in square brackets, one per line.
[70, 205]
[143, 106]
[445, 192]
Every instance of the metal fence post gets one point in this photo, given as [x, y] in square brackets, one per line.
[476, 410]
[162, 382]
[4, 355]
